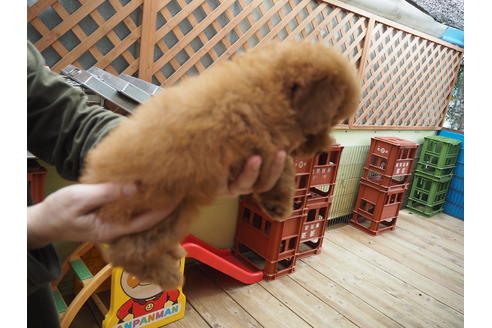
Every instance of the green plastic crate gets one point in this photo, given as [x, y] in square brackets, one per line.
[432, 172]
[426, 198]
[423, 209]
[427, 190]
[440, 152]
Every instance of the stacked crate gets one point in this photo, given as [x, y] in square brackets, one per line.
[319, 200]
[385, 178]
[433, 175]
[275, 245]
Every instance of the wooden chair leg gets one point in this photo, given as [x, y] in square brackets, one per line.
[78, 252]
[90, 286]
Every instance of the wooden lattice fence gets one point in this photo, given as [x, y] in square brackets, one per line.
[407, 76]
[407, 80]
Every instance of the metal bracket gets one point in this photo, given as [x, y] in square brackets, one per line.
[148, 87]
[101, 88]
[122, 86]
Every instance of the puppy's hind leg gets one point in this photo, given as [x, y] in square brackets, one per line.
[278, 201]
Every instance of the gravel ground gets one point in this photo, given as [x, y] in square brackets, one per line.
[448, 12]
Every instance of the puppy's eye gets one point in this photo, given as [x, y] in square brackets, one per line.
[293, 89]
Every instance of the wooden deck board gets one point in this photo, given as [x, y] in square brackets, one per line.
[428, 286]
[414, 245]
[439, 224]
[410, 277]
[396, 298]
[431, 231]
[448, 222]
[303, 302]
[432, 246]
[267, 309]
[213, 304]
[191, 319]
[351, 306]
[425, 266]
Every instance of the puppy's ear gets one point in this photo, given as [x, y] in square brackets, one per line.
[317, 102]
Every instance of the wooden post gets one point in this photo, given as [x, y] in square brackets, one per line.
[457, 74]
[365, 51]
[146, 56]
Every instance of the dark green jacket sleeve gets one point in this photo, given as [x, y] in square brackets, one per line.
[61, 128]
[43, 267]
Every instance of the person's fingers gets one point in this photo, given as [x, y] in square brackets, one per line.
[275, 171]
[248, 176]
[88, 197]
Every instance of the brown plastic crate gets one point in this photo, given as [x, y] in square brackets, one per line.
[302, 184]
[267, 244]
[317, 196]
[271, 269]
[313, 230]
[391, 156]
[372, 227]
[325, 166]
[271, 239]
[299, 202]
[274, 270]
[303, 165]
[303, 169]
[376, 204]
[385, 182]
[36, 176]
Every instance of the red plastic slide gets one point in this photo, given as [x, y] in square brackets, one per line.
[220, 259]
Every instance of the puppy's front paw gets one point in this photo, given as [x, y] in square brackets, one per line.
[277, 209]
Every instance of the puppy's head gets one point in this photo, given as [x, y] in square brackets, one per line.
[320, 86]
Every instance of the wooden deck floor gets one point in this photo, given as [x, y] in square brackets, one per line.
[410, 277]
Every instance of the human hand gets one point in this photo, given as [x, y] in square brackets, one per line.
[69, 215]
[247, 178]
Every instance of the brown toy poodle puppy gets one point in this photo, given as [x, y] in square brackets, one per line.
[182, 142]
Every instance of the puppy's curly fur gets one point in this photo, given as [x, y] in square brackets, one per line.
[185, 141]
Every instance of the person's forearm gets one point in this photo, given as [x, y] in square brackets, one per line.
[70, 214]
[37, 230]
